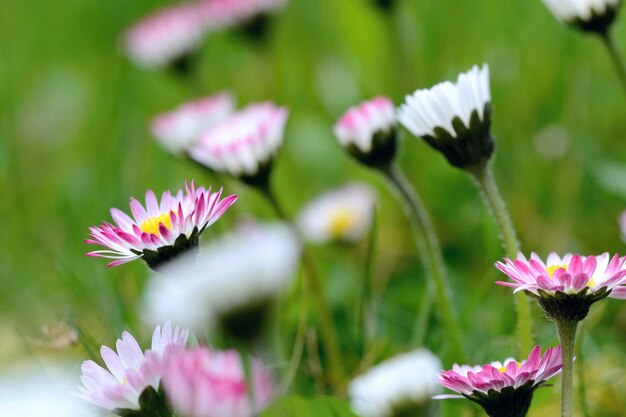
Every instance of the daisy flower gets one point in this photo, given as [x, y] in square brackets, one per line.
[454, 118]
[204, 383]
[243, 145]
[220, 14]
[503, 388]
[130, 371]
[178, 129]
[342, 214]
[567, 286]
[402, 385]
[162, 230]
[369, 132]
[593, 15]
[232, 283]
[165, 36]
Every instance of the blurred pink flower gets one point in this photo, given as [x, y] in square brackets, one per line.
[165, 35]
[205, 383]
[130, 371]
[244, 144]
[220, 14]
[359, 124]
[175, 222]
[569, 274]
[178, 129]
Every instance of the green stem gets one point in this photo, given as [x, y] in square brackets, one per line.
[327, 325]
[430, 253]
[487, 184]
[567, 338]
[618, 62]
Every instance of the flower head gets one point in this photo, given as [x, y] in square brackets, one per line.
[178, 129]
[503, 388]
[341, 214]
[396, 386]
[218, 14]
[369, 132]
[244, 144]
[130, 371]
[205, 383]
[567, 286]
[454, 118]
[162, 230]
[591, 15]
[165, 36]
[232, 283]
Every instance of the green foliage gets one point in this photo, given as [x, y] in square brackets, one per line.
[296, 406]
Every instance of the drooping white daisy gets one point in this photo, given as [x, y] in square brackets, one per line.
[594, 15]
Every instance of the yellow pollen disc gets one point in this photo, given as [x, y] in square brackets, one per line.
[552, 269]
[591, 282]
[341, 222]
[151, 225]
[503, 369]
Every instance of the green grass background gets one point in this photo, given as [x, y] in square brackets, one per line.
[74, 142]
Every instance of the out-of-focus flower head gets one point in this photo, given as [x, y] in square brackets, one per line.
[342, 214]
[402, 385]
[232, 283]
[622, 225]
[503, 389]
[369, 132]
[454, 118]
[221, 14]
[178, 129]
[567, 286]
[243, 145]
[204, 383]
[589, 15]
[130, 370]
[162, 230]
[166, 36]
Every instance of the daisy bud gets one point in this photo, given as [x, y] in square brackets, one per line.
[503, 388]
[243, 145]
[369, 132]
[588, 15]
[454, 118]
[401, 386]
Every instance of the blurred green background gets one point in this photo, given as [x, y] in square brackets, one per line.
[74, 142]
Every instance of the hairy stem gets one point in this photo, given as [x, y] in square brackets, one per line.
[616, 57]
[567, 338]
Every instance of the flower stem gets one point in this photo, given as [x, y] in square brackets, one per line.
[487, 184]
[618, 62]
[430, 253]
[327, 325]
[567, 337]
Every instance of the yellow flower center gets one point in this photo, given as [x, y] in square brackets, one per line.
[342, 221]
[553, 268]
[151, 225]
[503, 369]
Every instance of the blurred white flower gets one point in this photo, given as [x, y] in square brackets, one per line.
[570, 11]
[341, 214]
[245, 269]
[402, 383]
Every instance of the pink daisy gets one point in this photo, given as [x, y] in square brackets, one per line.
[205, 383]
[130, 371]
[244, 144]
[368, 132]
[178, 129]
[503, 388]
[162, 230]
[220, 14]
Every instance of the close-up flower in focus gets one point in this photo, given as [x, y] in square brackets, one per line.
[165, 37]
[343, 214]
[592, 15]
[232, 283]
[205, 383]
[243, 145]
[567, 286]
[369, 132]
[162, 230]
[503, 388]
[130, 370]
[401, 386]
[454, 118]
[180, 128]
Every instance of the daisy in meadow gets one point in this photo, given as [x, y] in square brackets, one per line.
[503, 389]
[248, 14]
[163, 229]
[131, 372]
